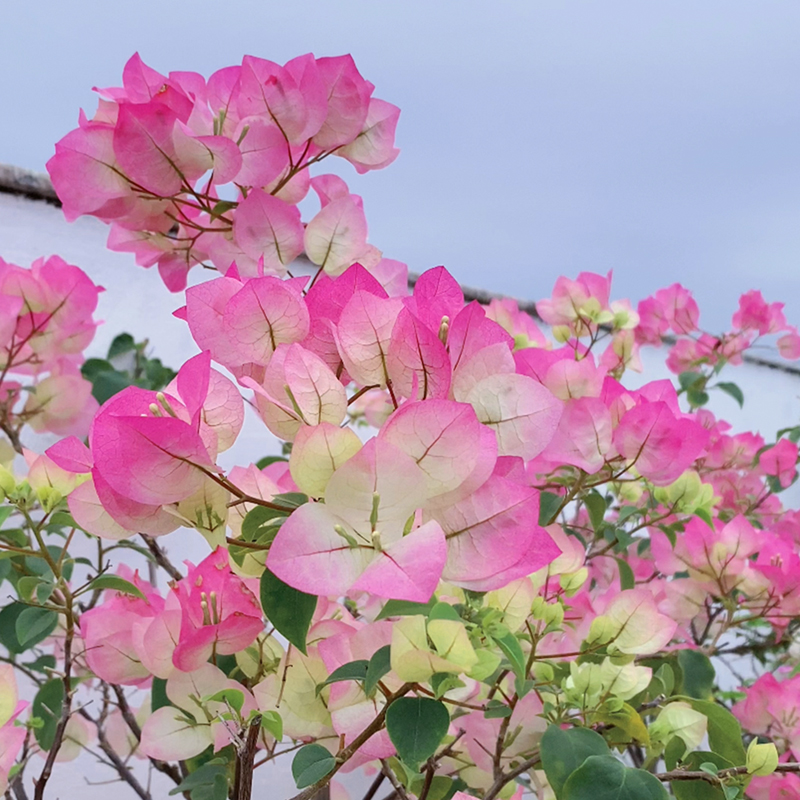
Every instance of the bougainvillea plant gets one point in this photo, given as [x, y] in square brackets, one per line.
[479, 566]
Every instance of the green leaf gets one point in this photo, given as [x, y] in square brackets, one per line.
[689, 379]
[439, 788]
[208, 782]
[666, 675]
[512, 650]
[47, 707]
[258, 519]
[107, 384]
[724, 731]
[310, 764]
[35, 624]
[563, 751]
[627, 511]
[290, 500]
[272, 722]
[627, 580]
[444, 611]
[379, 665]
[232, 697]
[596, 507]
[416, 726]
[158, 694]
[220, 207]
[605, 778]
[698, 674]
[496, 710]
[733, 390]
[405, 608]
[115, 584]
[352, 671]
[697, 398]
[443, 682]
[288, 609]
[549, 504]
[93, 367]
[267, 460]
[123, 343]
[8, 629]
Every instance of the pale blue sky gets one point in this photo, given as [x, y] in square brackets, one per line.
[660, 139]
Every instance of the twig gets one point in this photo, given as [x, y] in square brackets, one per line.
[120, 766]
[376, 784]
[130, 720]
[398, 787]
[503, 779]
[718, 779]
[160, 556]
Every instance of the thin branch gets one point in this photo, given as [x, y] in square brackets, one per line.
[161, 558]
[719, 778]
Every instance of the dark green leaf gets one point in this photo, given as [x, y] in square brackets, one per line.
[35, 624]
[698, 674]
[208, 782]
[605, 778]
[123, 343]
[416, 726]
[689, 379]
[267, 460]
[596, 507]
[258, 520]
[724, 731]
[627, 580]
[513, 652]
[310, 764]
[549, 504]
[158, 694]
[8, 629]
[405, 608]
[288, 609]
[697, 398]
[627, 511]
[379, 665]
[93, 367]
[352, 671]
[107, 384]
[563, 751]
[290, 500]
[496, 710]
[47, 706]
[443, 682]
[221, 206]
[116, 584]
[444, 611]
[733, 390]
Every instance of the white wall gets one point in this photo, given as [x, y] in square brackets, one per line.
[136, 301]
